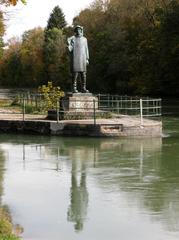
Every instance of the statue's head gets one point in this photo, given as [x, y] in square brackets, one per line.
[78, 30]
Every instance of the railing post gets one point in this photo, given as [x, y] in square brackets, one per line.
[160, 109]
[57, 111]
[117, 106]
[36, 101]
[141, 113]
[99, 100]
[108, 102]
[23, 110]
[94, 111]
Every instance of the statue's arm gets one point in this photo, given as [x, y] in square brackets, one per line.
[70, 42]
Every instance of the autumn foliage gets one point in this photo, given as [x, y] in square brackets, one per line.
[14, 2]
[133, 49]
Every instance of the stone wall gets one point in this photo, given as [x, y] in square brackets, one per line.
[79, 129]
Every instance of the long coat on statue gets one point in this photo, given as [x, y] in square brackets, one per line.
[78, 46]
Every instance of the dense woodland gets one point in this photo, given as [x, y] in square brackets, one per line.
[133, 44]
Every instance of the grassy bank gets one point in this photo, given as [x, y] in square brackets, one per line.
[6, 227]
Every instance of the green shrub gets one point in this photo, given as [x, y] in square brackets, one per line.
[51, 95]
[6, 227]
[9, 237]
[30, 109]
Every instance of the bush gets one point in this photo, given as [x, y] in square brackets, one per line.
[9, 237]
[30, 109]
[6, 227]
[51, 95]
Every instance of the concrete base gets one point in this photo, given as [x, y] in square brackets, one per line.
[102, 128]
[77, 115]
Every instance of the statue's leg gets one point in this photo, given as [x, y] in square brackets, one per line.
[75, 76]
[83, 75]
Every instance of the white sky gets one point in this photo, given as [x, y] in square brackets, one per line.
[36, 13]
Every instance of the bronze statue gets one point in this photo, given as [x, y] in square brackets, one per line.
[78, 47]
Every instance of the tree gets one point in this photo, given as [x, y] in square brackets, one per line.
[56, 19]
[133, 46]
[168, 41]
[31, 54]
[2, 25]
[2, 30]
[22, 62]
[10, 67]
[55, 56]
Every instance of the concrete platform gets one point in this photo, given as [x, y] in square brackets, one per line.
[123, 126]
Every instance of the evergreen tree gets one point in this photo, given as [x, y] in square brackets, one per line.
[56, 19]
[55, 59]
[54, 49]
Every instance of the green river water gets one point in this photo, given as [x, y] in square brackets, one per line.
[92, 189]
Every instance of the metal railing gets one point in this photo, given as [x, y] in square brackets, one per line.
[25, 105]
[126, 105]
[19, 106]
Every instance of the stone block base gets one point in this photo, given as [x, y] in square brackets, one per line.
[77, 115]
[79, 102]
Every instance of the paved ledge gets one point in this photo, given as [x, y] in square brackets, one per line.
[124, 126]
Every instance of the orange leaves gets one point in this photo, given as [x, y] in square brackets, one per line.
[14, 2]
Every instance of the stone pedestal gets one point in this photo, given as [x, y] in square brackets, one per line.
[79, 102]
[78, 106]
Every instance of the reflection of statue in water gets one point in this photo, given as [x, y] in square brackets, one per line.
[79, 198]
[78, 47]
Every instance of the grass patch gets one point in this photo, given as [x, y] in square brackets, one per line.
[5, 102]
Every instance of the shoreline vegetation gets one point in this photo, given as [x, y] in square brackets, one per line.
[7, 231]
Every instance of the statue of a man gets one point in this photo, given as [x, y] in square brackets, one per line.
[78, 47]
